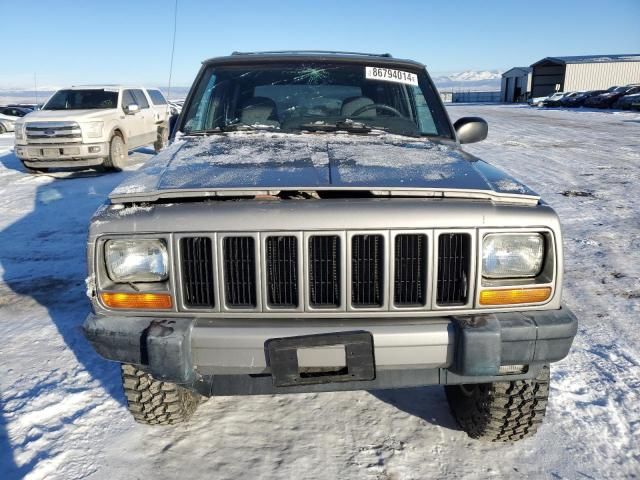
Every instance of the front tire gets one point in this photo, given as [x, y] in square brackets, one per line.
[117, 154]
[153, 402]
[162, 140]
[501, 411]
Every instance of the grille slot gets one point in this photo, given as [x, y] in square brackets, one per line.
[196, 257]
[454, 254]
[282, 271]
[239, 256]
[324, 271]
[367, 270]
[410, 270]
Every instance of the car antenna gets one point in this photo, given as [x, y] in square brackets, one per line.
[173, 48]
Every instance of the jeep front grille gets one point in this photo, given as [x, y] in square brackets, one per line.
[281, 264]
[454, 253]
[410, 270]
[324, 271]
[367, 270]
[337, 271]
[196, 256]
[239, 272]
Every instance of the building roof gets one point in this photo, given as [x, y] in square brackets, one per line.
[629, 57]
[522, 69]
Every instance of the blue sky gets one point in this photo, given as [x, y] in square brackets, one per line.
[72, 42]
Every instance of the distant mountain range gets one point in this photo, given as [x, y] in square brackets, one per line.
[19, 95]
[470, 80]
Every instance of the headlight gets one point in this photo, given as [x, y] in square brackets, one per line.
[136, 260]
[18, 131]
[513, 255]
[92, 129]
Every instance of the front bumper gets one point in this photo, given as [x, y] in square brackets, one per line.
[63, 155]
[231, 357]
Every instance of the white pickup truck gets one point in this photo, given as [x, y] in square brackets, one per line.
[92, 126]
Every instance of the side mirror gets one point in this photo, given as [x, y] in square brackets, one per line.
[471, 129]
[131, 109]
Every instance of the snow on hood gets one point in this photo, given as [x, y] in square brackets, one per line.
[266, 161]
[64, 115]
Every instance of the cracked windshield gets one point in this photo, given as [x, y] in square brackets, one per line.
[315, 97]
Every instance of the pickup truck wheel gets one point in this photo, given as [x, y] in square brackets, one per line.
[117, 153]
[163, 139]
[153, 402]
[501, 411]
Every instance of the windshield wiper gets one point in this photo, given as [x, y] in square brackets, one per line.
[343, 125]
[233, 127]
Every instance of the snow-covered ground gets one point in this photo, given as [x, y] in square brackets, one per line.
[61, 408]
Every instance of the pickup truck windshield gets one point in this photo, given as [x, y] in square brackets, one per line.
[82, 100]
[315, 97]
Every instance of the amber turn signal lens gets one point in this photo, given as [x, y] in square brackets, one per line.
[137, 301]
[514, 296]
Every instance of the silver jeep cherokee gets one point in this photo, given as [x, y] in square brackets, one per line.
[315, 226]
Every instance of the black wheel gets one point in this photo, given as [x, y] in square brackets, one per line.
[117, 154]
[162, 140]
[153, 402]
[500, 411]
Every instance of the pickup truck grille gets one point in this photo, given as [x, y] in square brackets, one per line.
[53, 132]
[315, 271]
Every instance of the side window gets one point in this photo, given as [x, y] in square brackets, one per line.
[127, 99]
[156, 97]
[141, 100]
[423, 112]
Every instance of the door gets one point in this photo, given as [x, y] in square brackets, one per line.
[133, 123]
[149, 130]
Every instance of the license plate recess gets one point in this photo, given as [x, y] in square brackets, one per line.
[283, 358]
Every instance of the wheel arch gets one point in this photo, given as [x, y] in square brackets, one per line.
[116, 130]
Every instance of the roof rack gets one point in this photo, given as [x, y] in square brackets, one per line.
[302, 52]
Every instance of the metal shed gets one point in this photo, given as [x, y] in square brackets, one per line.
[516, 85]
[587, 72]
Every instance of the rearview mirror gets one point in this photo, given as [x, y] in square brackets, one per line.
[471, 129]
[131, 109]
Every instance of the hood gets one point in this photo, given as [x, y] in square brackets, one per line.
[263, 163]
[65, 115]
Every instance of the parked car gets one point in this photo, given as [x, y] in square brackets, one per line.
[12, 111]
[317, 226]
[539, 101]
[607, 99]
[557, 100]
[628, 102]
[90, 126]
[579, 99]
[7, 123]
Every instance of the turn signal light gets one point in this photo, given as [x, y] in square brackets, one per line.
[137, 301]
[514, 296]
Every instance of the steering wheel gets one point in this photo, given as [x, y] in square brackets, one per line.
[377, 106]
